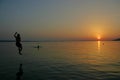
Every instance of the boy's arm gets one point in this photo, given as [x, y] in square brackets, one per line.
[15, 34]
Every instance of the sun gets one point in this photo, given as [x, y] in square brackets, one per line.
[98, 37]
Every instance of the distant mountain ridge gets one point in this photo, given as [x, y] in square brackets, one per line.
[118, 39]
[7, 40]
[14, 41]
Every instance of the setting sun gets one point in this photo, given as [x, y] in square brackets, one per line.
[99, 37]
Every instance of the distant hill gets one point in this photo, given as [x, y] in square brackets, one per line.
[7, 40]
[118, 39]
[14, 41]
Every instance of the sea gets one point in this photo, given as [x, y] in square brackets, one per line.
[67, 60]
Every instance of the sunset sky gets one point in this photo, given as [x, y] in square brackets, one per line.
[60, 19]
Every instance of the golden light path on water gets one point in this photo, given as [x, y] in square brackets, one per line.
[98, 43]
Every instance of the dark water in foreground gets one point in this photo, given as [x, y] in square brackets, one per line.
[93, 60]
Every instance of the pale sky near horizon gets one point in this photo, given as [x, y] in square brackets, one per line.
[60, 19]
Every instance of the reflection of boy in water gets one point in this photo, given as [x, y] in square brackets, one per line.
[19, 73]
[18, 40]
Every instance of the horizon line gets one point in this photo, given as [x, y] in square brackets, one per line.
[51, 40]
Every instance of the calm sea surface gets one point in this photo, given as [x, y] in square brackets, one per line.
[93, 60]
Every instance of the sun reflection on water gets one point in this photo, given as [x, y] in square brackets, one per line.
[98, 42]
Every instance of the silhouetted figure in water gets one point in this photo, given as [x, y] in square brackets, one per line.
[18, 40]
[19, 73]
[38, 46]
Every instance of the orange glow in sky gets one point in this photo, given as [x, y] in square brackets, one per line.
[60, 19]
[98, 37]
